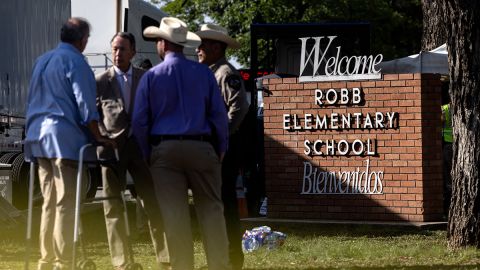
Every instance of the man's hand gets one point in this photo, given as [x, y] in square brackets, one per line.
[107, 142]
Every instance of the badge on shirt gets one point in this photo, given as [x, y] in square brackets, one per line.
[234, 82]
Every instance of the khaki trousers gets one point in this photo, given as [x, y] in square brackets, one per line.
[176, 166]
[114, 182]
[58, 180]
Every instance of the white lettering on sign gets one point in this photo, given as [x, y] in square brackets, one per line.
[344, 97]
[357, 181]
[340, 148]
[334, 121]
[336, 68]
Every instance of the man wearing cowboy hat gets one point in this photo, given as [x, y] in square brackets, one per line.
[178, 108]
[215, 41]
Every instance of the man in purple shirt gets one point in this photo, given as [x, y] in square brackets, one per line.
[178, 110]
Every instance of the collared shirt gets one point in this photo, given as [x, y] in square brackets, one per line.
[233, 92]
[60, 104]
[179, 97]
[121, 81]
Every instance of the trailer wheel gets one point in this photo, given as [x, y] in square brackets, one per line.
[8, 157]
[19, 176]
[20, 173]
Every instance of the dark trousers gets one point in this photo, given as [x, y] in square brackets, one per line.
[114, 183]
[230, 171]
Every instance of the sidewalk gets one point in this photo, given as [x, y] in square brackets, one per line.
[259, 221]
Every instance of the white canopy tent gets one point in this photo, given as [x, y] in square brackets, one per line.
[434, 61]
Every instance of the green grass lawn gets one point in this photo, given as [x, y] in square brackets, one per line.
[308, 246]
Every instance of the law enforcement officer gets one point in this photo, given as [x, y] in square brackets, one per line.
[215, 41]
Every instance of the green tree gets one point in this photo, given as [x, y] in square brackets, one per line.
[396, 25]
[456, 23]
[434, 25]
[463, 43]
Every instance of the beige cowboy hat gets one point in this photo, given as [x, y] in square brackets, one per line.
[175, 31]
[218, 33]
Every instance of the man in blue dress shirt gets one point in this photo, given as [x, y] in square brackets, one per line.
[178, 110]
[61, 118]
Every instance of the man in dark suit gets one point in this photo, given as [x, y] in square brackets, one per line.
[115, 98]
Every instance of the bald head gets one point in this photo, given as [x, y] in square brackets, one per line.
[76, 32]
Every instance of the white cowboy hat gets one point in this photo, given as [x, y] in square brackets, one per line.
[218, 33]
[175, 31]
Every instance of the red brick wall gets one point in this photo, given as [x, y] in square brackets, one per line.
[409, 155]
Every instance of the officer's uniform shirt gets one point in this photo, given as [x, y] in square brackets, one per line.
[233, 93]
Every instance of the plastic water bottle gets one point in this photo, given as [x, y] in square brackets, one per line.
[250, 244]
[270, 241]
[274, 240]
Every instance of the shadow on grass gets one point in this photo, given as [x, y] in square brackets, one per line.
[95, 238]
[307, 230]
[95, 231]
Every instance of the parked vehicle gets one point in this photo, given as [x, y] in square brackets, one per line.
[29, 29]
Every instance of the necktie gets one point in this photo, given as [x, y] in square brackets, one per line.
[126, 97]
[126, 91]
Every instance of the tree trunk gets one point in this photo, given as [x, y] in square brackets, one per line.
[463, 43]
[434, 25]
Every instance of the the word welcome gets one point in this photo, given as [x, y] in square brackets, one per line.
[336, 68]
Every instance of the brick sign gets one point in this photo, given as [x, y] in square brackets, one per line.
[361, 180]
[354, 150]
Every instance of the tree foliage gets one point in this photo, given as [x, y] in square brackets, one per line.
[396, 25]
[434, 25]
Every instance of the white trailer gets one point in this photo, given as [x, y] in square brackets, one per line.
[29, 28]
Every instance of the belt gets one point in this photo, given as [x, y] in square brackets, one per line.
[157, 139]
